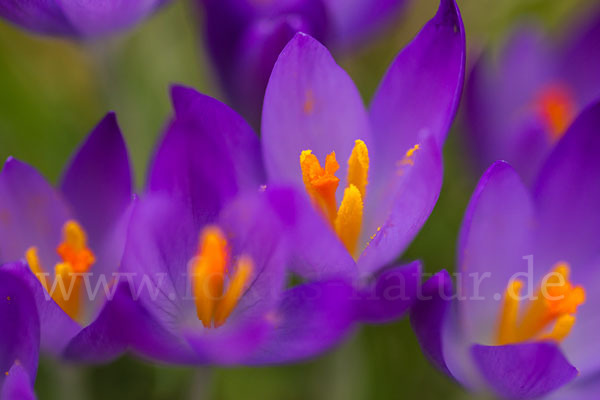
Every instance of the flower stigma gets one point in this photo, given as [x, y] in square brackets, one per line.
[77, 259]
[209, 272]
[550, 315]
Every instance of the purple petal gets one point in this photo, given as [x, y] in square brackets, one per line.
[195, 160]
[77, 18]
[98, 181]
[355, 20]
[32, 213]
[310, 103]
[17, 384]
[57, 328]
[567, 195]
[390, 295]
[429, 315]
[38, 15]
[258, 51]
[109, 334]
[397, 209]
[310, 319]
[581, 58]
[20, 338]
[317, 253]
[495, 236]
[422, 88]
[523, 371]
[90, 18]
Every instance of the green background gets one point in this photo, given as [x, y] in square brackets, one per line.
[52, 92]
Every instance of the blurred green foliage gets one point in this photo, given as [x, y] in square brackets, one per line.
[52, 92]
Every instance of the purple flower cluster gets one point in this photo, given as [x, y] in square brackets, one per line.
[247, 249]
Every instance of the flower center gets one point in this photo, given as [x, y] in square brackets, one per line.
[556, 105]
[77, 259]
[321, 185]
[549, 315]
[209, 271]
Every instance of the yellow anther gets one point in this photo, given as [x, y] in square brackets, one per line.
[562, 328]
[208, 274]
[349, 218]
[214, 304]
[510, 312]
[321, 183]
[358, 167]
[554, 304]
[68, 290]
[235, 290]
[31, 255]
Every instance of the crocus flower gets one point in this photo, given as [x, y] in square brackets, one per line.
[245, 37]
[524, 321]
[19, 337]
[372, 176]
[518, 108]
[80, 19]
[72, 237]
[206, 254]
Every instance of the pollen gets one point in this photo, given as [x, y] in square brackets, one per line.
[214, 302]
[556, 106]
[322, 184]
[76, 258]
[549, 315]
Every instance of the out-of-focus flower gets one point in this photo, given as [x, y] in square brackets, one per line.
[72, 238]
[207, 254]
[525, 319]
[79, 19]
[19, 337]
[391, 166]
[244, 37]
[517, 109]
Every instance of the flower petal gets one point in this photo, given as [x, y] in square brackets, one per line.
[258, 51]
[429, 315]
[98, 182]
[17, 384]
[195, 161]
[567, 194]
[496, 235]
[581, 58]
[523, 371]
[310, 103]
[57, 328]
[310, 319]
[317, 253]
[390, 295]
[38, 15]
[20, 336]
[354, 21]
[396, 210]
[32, 213]
[422, 88]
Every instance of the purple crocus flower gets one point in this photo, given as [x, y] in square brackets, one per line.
[391, 166]
[245, 37]
[525, 321]
[79, 19]
[206, 253]
[517, 109]
[19, 337]
[72, 238]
